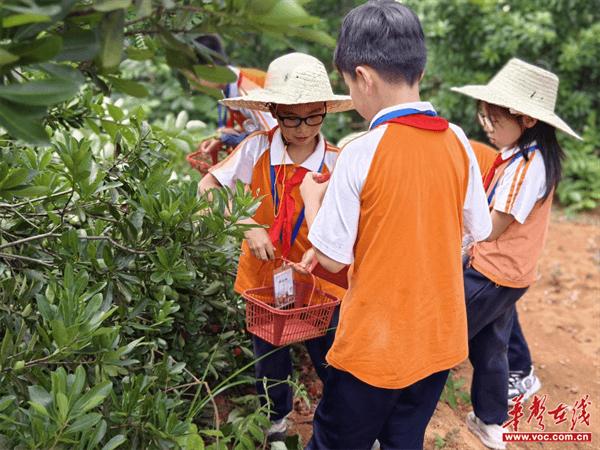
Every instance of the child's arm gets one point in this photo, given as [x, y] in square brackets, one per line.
[313, 190]
[500, 222]
[239, 166]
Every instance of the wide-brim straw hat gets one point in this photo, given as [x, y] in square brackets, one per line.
[524, 89]
[293, 79]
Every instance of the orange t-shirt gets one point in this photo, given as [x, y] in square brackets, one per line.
[403, 317]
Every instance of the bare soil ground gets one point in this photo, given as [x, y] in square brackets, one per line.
[560, 316]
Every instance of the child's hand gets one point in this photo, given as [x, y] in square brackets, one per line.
[210, 146]
[313, 187]
[307, 263]
[260, 244]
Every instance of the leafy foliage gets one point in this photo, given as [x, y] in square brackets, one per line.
[48, 45]
[116, 306]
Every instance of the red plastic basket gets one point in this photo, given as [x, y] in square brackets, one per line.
[309, 317]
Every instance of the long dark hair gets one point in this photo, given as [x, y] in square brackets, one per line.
[545, 137]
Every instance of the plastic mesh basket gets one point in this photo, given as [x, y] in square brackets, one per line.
[309, 317]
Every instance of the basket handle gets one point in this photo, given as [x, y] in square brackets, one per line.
[287, 261]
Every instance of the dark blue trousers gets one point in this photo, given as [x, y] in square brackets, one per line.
[490, 313]
[352, 414]
[519, 357]
[277, 367]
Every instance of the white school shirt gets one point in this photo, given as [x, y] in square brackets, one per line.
[335, 227]
[532, 185]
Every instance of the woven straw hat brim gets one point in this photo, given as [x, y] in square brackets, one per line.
[260, 99]
[488, 94]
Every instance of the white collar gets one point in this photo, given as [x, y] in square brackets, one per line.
[421, 106]
[508, 152]
[279, 154]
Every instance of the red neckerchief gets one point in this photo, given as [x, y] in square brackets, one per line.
[284, 220]
[422, 121]
[487, 179]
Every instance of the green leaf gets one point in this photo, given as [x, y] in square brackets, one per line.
[111, 5]
[129, 87]
[39, 50]
[139, 54]
[40, 92]
[215, 93]
[78, 382]
[115, 442]
[59, 332]
[6, 401]
[23, 122]
[79, 45]
[84, 423]
[62, 403]
[6, 348]
[22, 19]
[39, 408]
[143, 8]
[111, 39]
[14, 178]
[7, 57]
[287, 12]
[216, 74]
[39, 395]
[93, 397]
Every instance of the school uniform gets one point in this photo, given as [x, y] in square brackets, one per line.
[498, 273]
[395, 207]
[519, 356]
[261, 162]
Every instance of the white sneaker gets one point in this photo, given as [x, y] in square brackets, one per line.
[277, 430]
[489, 435]
[522, 383]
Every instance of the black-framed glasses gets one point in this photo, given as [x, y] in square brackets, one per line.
[295, 121]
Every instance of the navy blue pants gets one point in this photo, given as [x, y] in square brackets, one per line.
[352, 414]
[519, 357]
[490, 315]
[277, 367]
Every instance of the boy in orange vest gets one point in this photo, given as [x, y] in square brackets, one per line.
[273, 164]
[395, 207]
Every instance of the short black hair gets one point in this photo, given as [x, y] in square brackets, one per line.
[386, 36]
[209, 48]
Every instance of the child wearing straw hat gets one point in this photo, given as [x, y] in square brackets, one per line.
[395, 207]
[298, 94]
[516, 110]
[522, 378]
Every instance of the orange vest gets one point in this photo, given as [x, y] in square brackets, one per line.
[252, 272]
[511, 260]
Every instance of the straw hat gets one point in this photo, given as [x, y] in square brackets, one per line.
[524, 89]
[293, 79]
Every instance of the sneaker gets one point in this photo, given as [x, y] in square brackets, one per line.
[277, 431]
[489, 435]
[520, 382]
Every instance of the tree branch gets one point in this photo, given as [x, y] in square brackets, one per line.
[25, 258]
